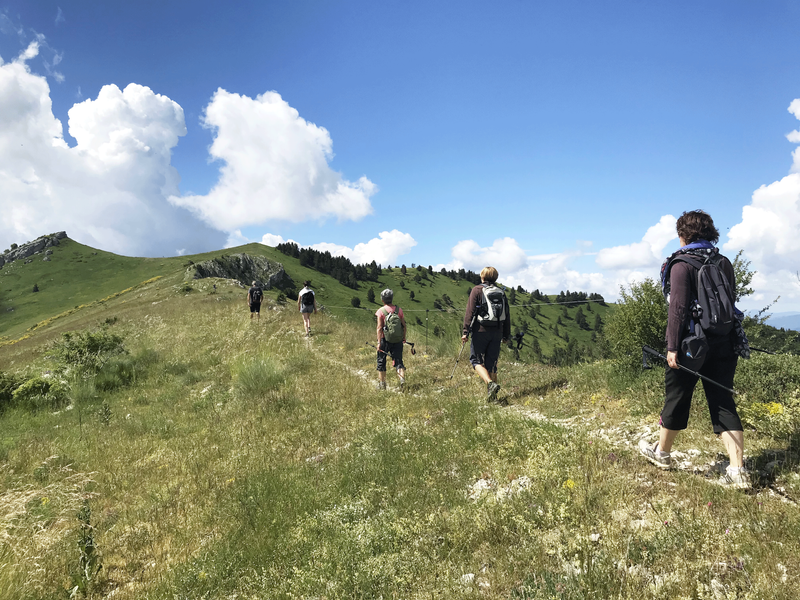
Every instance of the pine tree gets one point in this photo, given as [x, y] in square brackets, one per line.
[580, 319]
[411, 294]
[370, 295]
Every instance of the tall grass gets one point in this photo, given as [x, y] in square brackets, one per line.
[225, 458]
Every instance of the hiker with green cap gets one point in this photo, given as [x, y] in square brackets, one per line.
[391, 337]
[488, 320]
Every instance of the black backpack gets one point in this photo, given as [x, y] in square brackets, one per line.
[714, 305]
[256, 295]
[308, 298]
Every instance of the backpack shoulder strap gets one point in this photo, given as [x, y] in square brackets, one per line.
[688, 258]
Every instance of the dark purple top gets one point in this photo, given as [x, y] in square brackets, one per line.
[683, 280]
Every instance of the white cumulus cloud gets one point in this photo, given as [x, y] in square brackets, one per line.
[646, 254]
[384, 249]
[274, 167]
[560, 271]
[111, 189]
[768, 234]
[504, 254]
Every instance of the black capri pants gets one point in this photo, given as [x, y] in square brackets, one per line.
[719, 366]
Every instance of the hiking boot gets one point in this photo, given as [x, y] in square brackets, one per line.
[402, 383]
[651, 453]
[491, 389]
[381, 385]
[737, 479]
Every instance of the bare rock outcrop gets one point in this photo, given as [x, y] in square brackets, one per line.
[242, 267]
[36, 246]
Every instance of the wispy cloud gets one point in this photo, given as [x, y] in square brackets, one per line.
[60, 16]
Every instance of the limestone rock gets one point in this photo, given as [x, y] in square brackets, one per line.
[241, 267]
[35, 247]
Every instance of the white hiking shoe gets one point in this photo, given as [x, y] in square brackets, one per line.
[381, 385]
[651, 453]
[735, 478]
[402, 383]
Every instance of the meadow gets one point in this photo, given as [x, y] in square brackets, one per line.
[205, 455]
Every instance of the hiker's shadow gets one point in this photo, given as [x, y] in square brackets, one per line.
[768, 464]
[524, 391]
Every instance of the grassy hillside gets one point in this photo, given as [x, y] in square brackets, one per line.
[79, 275]
[224, 458]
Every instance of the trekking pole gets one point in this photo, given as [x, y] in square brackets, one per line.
[459, 357]
[413, 352]
[764, 351]
[376, 348]
[648, 350]
[471, 323]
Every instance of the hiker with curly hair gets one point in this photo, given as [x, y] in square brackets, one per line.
[717, 342]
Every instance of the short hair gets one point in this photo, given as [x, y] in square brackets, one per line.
[387, 295]
[489, 274]
[697, 225]
[253, 283]
[307, 283]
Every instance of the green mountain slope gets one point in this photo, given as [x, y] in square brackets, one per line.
[224, 458]
[79, 275]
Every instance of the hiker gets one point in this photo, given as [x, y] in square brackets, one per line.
[679, 281]
[391, 337]
[488, 320]
[306, 304]
[254, 297]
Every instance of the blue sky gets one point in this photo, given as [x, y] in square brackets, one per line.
[556, 140]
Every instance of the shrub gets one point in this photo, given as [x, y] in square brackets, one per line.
[8, 383]
[40, 393]
[87, 351]
[356, 302]
[640, 318]
[115, 374]
[769, 388]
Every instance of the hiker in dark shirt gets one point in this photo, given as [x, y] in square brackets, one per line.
[488, 332]
[307, 304]
[697, 235]
[254, 297]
